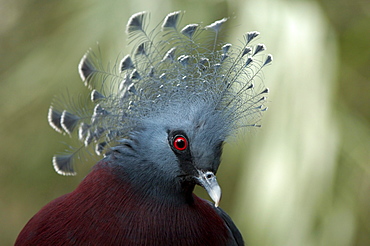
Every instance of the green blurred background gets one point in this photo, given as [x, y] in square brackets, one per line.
[302, 179]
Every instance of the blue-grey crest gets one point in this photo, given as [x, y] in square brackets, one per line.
[178, 80]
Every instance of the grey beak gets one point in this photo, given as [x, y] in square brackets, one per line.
[208, 181]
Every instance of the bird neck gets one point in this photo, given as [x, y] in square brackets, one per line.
[150, 187]
[105, 209]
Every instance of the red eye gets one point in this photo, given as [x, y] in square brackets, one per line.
[180, 143]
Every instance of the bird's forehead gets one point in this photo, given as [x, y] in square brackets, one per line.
[198, 120]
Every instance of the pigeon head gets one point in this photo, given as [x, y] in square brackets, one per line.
[175, 149]
[164, 111]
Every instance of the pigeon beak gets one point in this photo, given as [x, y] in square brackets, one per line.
[208, 181]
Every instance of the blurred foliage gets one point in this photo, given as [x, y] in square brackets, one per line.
[305, 178]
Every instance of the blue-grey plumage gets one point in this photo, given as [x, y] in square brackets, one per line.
[176, 79]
